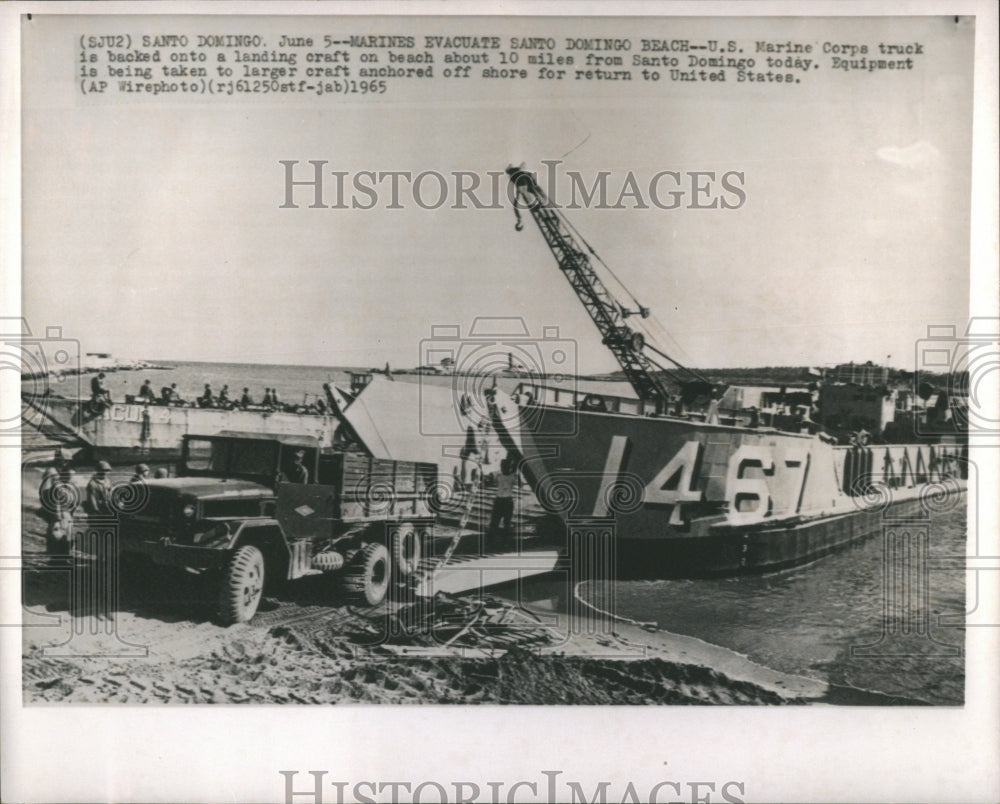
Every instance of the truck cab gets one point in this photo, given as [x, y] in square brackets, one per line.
[254, 509]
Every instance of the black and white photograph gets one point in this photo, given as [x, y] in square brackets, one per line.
[617, 384]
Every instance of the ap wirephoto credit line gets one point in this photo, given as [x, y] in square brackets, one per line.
[555, 361]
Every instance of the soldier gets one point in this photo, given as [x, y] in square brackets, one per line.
[99, 490]
[99, 395]
[170, 396]
[59, 472]
[59, 500]
[141, 473]
[50, 476]
[224, 396]
[465, 456]
[502, 515]
[146, 392]
[207, 400]
[246, 400]
[299, 473]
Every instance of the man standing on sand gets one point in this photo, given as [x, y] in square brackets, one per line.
[59, 497]
[99, 490]
[58, 472]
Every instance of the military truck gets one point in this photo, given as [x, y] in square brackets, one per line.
[250, 510]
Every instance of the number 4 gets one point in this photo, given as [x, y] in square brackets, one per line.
[672, 485]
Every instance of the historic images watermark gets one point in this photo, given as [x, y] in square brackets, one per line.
[46, 365]
[957, 370]
[318, 184]
[493, 348]
[315, 788]
[909, 489]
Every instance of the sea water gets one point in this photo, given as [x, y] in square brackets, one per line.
[842, 618]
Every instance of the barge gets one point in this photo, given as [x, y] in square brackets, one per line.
[673, 493]
[689, 499]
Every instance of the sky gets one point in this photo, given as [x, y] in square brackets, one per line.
[153, 227]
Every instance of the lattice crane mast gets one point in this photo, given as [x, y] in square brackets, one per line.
[628, 345]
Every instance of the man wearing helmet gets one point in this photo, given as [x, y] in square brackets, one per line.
[99, 490]
[59, 500]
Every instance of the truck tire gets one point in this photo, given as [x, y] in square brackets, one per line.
[406, 549]
[242, 586]
[367, 578]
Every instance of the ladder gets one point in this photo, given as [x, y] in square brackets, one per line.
[472, 493]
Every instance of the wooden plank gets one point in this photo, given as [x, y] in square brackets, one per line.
[480, 572]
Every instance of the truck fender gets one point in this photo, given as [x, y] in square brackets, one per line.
[267, 535]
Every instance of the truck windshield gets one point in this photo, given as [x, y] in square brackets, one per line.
[231, 457]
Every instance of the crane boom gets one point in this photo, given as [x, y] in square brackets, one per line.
[627, 345]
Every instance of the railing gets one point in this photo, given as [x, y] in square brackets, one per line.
[897, 465]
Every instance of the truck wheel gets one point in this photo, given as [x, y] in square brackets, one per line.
[367, 578]
[242, 586]
[406, 552]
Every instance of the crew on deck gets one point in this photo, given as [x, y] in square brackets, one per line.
[98, 392]
[170, 396]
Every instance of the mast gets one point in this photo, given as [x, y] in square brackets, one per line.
[608, 314]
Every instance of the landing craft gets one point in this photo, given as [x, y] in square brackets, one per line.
[669, 491]
[388, 416]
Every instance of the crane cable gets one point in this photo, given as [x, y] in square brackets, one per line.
[664, 370]
[519, 225]
[647, 329]
[698, 376]
[597, 257]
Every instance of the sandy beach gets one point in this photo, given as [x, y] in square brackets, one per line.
[158, 644]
